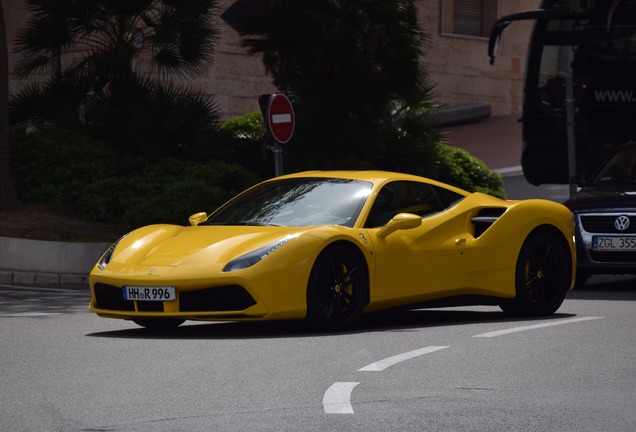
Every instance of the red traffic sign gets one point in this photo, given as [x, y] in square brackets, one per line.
[280, 117]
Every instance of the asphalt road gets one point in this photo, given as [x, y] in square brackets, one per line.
[459, 369]
[516, 187]
[453, 369]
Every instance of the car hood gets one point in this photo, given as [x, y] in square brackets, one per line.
[169, 245]
[605, 197]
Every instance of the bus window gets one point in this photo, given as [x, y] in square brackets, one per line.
[594, 44]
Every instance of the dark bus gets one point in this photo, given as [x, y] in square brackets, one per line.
[590, 45]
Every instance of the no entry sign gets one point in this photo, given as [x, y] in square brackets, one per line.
[280, 117]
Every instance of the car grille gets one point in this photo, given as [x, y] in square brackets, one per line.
[605, 224]
[110, 297]
[224, 298]
[216, 299]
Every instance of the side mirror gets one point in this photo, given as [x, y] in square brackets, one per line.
[401, 221]
[198, 218]
[500, 25]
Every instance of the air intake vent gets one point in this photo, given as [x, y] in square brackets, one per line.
[485, 218]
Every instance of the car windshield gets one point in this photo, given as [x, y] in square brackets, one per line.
[619, 169]
[296, 202]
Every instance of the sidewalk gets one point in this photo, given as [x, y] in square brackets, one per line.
[495, 140]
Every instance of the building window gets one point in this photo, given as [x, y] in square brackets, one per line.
[468, 17]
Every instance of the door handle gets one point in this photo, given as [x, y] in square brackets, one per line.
[460, 241]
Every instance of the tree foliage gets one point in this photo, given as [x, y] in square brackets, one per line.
[352, 69]
[96, 82]
[96, 37]
[91, 180]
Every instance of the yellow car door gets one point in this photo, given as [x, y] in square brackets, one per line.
[418, 241]
[416, 264]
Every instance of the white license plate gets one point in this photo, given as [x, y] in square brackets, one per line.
[614, 243]
[168, 293]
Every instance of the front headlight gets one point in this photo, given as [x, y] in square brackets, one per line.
[108, 255]
[251, 258]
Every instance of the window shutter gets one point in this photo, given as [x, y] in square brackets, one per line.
[468, 17]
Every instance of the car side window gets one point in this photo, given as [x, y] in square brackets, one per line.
[408, 197]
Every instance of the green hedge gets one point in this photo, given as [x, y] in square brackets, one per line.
[451, 165]
[94, 182]
[463, 170]
[67, 170]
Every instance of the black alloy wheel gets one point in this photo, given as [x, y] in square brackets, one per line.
[337, 291]
[542, 277]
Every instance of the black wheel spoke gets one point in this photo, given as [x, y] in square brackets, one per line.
[332, 307]
[542, 277]
[338, 300]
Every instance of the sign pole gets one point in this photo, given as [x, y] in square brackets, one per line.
[277, 149]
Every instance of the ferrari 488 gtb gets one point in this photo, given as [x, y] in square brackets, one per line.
[330, 246]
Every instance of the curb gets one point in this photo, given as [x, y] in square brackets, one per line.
[38, 262]
[10, 277]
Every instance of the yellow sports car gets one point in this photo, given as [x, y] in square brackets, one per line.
[330, 246]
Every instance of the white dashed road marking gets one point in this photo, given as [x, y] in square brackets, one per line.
[337, 398]
[390, 361]
[536, 326]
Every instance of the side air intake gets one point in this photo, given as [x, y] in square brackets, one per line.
[485, 218]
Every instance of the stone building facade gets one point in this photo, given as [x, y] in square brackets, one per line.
[456, 57]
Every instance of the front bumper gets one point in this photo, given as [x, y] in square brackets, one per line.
[239, 295]
[601, 224]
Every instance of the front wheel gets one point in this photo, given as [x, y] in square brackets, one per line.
[542, 276]
[337, 290]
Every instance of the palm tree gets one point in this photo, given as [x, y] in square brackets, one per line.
[352, 69]
[8, 197]
[97, 36]
[90, 48]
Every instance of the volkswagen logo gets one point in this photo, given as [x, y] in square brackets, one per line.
[621, 223]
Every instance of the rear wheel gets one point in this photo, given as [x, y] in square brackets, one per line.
[542, 276]
[337, 290]
[159, 323]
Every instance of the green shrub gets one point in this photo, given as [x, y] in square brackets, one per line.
[247, 138]
[67, 170]
[171, 190]
[461, 169]
[90, 180]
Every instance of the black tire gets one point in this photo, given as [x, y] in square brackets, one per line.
[542, 276]
[159, 323]
[337, 290]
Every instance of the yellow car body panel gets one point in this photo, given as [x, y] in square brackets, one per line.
[441, 257]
